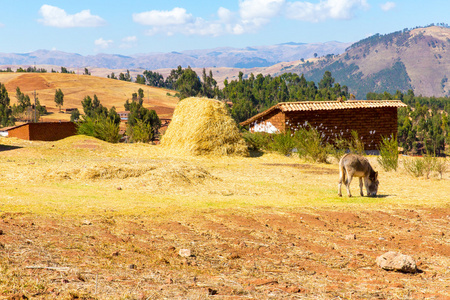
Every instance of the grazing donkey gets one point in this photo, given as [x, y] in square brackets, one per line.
[355, 165]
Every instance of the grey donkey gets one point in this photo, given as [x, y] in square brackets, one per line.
[352, 165]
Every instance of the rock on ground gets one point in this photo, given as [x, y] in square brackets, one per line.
[394, 261]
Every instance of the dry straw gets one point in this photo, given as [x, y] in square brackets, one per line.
[202, 126]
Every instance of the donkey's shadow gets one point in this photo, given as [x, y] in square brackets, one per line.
[383, 196]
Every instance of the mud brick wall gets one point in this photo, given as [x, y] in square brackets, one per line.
[370, 123]
[48, 131]
[275, 117]
[21, 132]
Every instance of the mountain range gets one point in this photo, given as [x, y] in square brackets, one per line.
[411, 59]
[260, 56]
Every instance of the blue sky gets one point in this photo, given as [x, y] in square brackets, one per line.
[137, 26]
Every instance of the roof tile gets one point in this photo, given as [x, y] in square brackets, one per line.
[327, 105]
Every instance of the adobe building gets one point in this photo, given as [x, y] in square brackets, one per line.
[45, 131]
[334, 119]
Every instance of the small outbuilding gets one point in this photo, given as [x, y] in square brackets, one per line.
[44, 131]
[334, 119]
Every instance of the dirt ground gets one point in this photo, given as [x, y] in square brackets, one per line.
[222, 249]
[266, 254]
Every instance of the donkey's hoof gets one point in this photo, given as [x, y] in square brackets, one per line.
[340, 195]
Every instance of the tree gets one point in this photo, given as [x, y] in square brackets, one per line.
[143, 124]
[154, 79]
[75, 115]
[327, 81]
[113, 115]
[99, 127]
[141, 93]
[23, 109]
[98, 121]
[86, 72]
[6, 118]
[40, 110]
[93, 107]
[171, 80]
[59, 98]
[125, 77]
[140, 79]
[23, 101]
[188, 84]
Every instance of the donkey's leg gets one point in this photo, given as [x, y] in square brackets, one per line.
[361, 186]
[341, 179]
[347, 184]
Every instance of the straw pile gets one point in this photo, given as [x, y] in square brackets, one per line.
[202, 126]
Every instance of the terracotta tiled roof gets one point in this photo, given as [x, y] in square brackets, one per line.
[326, 105]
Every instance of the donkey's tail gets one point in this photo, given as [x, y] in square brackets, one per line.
[342, 172]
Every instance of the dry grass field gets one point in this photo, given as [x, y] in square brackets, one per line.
[75, 87]
[84, 219]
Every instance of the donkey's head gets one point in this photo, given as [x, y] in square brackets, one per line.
[372, 184]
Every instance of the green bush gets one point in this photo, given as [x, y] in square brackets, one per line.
[424, 166]
[388, 158]
[310, 145]
[339, 148]
[141, 132]
[414, 166]
[99, 127]
[441, 166]
[429, 163]
[355, 145]
[257, 141]
[283, 143]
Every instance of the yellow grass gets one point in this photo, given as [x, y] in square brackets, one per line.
[82, 175]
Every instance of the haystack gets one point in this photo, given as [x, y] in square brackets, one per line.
[202, 126]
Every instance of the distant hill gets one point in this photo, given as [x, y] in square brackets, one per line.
[417, 59]
[250, 57]
[110, 92]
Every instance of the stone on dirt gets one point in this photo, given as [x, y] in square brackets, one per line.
[185, 252]
[394, 261]
[350, 237]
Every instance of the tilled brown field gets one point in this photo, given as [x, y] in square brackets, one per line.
[262, 253]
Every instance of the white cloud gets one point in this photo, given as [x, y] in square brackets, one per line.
[388, 6]
[130, 39]
[178, 20]
[176, 16]
[252, 16]
[57, 17]
[260, 12]
[129, 42]
[102, 43]
[225, 15]
[329, 9]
